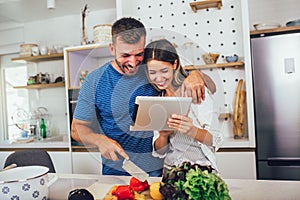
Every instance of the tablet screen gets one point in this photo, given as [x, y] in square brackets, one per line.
[152, 113]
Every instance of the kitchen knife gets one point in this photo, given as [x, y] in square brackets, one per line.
[134, 170]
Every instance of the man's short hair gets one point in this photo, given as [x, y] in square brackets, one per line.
[128, 30]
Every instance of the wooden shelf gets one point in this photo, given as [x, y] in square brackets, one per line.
[84, 148]
[276, 30]
[74, 88]
[205, 4]
[220, 65]
[40, 86]
[223, 116]
[57, 56]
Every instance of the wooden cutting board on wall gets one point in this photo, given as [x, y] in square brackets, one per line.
[239, 110]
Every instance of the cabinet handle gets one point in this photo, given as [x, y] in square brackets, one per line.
[284, 161]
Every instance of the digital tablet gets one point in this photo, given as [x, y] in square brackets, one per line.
[152, 113]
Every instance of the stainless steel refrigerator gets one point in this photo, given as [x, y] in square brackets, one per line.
[276, 83]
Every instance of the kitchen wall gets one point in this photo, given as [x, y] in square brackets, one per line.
[61, 30]
[273, 11]
[212, 30]
[67, 30]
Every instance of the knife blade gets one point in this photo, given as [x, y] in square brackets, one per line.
[134, 170]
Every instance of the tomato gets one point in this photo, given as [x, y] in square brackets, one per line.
[137, 185]
[123, 192]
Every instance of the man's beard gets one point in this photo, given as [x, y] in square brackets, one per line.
[132, 70]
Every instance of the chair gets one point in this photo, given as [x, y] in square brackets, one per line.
[31, 157]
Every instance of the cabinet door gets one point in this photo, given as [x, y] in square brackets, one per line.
[87, 163]
[62, 161]
[236, 165]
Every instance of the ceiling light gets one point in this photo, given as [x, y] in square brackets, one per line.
[50, 4]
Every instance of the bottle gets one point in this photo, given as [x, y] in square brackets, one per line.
[43, 130]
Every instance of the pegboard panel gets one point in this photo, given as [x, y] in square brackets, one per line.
[209, 30]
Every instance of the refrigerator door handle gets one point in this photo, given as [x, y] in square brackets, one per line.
[279, 161]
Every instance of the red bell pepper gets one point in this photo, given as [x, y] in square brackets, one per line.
[123, 192]
[137, 185]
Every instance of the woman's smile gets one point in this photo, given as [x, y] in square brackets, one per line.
[161, 84]
[160, 73]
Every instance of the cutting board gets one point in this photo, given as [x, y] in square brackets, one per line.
[102, 191]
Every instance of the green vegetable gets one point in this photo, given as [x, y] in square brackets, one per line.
[193, 182]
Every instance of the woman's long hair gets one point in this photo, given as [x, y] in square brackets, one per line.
[163, 50]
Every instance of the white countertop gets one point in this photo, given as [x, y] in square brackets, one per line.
[239, 189]
[60, 141]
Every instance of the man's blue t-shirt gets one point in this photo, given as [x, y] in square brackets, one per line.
[110, 97]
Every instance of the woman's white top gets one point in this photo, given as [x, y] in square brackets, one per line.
[184, 148]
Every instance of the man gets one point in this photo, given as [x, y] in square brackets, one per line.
[108, 94]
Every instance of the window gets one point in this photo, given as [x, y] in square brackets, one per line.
[15, 103]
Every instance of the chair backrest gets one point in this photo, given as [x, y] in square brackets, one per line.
[31, 157]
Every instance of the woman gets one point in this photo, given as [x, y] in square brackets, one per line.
[193, 138]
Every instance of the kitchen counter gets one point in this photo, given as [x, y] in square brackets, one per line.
[240, 189]
[60, 142]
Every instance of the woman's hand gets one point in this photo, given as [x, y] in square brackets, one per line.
[165, 133]
[185, 126]
[161, 143]
[182, 123]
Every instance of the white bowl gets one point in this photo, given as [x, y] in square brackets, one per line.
[24, 183]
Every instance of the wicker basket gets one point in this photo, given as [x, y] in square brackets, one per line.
[25, 49]
[102, 34]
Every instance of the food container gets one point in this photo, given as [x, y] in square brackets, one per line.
[102, 34]
[233, 58]
[26, 49]
[293, 23]
[210, 58]
[266, 26]
[35, 51]
[24, 183]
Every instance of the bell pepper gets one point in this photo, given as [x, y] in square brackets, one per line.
[123, 192]
[137, 185]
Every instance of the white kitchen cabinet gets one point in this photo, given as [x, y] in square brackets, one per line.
[81, 58]
[77, 59]
[86, 163]
[237, 165]
[61, 160]
[3, 156]
[232, 165]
